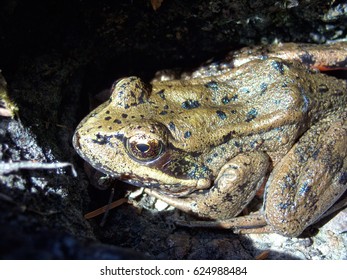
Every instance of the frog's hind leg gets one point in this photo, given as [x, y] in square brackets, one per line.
[303, 185]
[310, 178]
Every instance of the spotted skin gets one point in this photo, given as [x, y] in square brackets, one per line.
[206, 143]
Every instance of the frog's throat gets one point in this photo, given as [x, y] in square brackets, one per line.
[183, 188]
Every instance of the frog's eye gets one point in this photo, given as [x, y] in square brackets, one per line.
[143, 148]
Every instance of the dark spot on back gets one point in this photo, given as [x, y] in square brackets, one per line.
[187, 134]
[124, 116]
[163, 113]
[315, 154]
[251, 115]
[278, 66]
[190, 104]
[307, 59]
[263, 88]
[141, 98]
[221, 115]
[245, 90]
[283, 206]
[343, 178]
[229, 197]
[228, 136]
[306, 103]
[212, 85]
[304, 189]
[225, 100]
[264, 56]
[172, 126]
[107, 118]
[117, 121]
[254, 144]
[161, 94]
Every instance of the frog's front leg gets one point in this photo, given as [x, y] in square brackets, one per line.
[234, 187]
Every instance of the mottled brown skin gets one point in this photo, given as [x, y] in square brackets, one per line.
[7, 107]
[206, 144]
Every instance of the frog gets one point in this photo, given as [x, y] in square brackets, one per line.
[205, 142]
[7, 107]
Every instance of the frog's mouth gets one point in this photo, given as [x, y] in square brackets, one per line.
[176, 190]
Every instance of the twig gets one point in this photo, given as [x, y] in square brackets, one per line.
[106, 208]
[8, 167]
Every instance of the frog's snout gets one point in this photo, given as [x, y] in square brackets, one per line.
[75, 141]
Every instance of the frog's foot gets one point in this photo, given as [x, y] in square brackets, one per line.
[234, 188]
[310, 178]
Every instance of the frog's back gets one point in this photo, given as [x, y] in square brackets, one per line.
[260, 96]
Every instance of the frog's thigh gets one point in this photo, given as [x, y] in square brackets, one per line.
[234, 187]
[310, 178]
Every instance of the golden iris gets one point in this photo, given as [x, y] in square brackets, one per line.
[143, 148]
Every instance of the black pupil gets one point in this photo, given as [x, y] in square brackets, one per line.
[142, 147]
